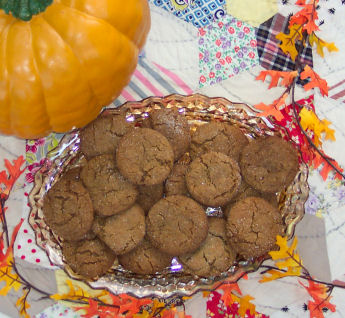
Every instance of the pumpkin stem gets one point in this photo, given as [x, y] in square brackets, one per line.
[24, 9]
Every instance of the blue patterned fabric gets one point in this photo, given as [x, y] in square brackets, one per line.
[198, 12]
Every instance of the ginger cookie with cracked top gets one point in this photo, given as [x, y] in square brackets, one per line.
[149, 195]
[144, 156]
[88, 258]
[174, 126]
[103, 135]
[213, 179]
[121, 232]
[269, 164]
[252, 226]
[176, 181]
[214, 256]
[145, 259]
[218, 137]
[176, 225]
[67, 207]
[110, 192]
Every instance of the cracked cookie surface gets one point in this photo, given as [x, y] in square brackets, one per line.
[89, 258]
[213, 179]
[176, 225]
[110, 192]
[144, 156]
[219, 137]
[67, 207]
[176, 182]
[103, 135]
[121, 232]
[145, 259]
[269, 164]
[252, 226]
[174, 126]
[149, 195]
[214, 256]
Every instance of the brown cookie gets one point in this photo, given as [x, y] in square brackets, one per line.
[145, 259]
[110, 192]
[176, 182]
[214, 256]
[88, 258]
[213, 179]
[174, 126]
[252, 226]
[176, 225]
[149, 195]
[144, 156]
[103, 135]
[122, 232]
[269, 164]
[219, 137]
[67, 208]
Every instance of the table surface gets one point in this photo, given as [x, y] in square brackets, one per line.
[218, 50]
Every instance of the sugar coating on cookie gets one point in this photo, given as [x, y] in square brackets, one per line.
[145, 259]
[214, 256]
[252, 226]
[121, 232]
[176, 225]
[144, 156]
[88, 258]
[213, 179]
[103, 135]
[219, 137]
[174, 126]
[67, 207]
[110, 192]
[269, 164]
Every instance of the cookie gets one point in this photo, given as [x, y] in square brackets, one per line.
[213, 179]
[149, 195]
[174, 126]
[176, 182]
[176, 225]
[110, 192]
[121, 232]
[252, 226]
[144, 156]
[88, 258]
[214, 256]
[67, 208]
[145, 259]
[103, 135]
[218, 137]
[269, 164]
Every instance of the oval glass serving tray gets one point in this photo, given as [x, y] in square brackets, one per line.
[173, 281]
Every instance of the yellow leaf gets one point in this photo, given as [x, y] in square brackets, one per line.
[289, 262]
[276, 274]
[11, 279]
[289, 40]
[144, 314]
[23, 305]
[321, 44]
[245, 305]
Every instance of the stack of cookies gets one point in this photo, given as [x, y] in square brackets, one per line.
[141, 197]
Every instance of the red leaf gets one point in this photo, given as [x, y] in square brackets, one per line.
[228, 291]
[272, 109]
[315, 80]
[315, 308]
[327, 168]
[305, 17]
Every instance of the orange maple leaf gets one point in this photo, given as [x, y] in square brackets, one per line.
[327, 168]
[306, 17]
[287, 77]
[289, 40]
[315, 80]
[246, 305]
[273, 109]
[228, 290]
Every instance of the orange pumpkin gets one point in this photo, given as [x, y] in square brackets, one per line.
[59, 68]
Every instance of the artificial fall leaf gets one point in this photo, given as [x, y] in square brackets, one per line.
[74, 293]
[285, 251]
[23, 305]
[246, 305]
[7, 179]
[273, 109]
[327, 168]
[277, 274]
[9, 276]
[310, 121]
[306, 17]
[169, 313]
[287, 77]
[315, 81]
[182, 314]
[316, 310]
[321, 44]
[289, 40]
[228, 296]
